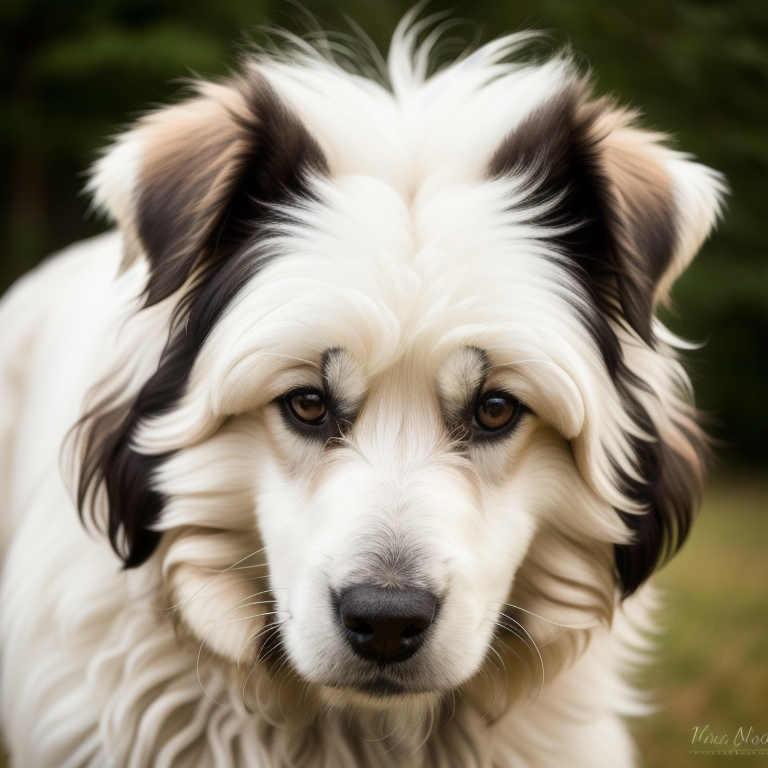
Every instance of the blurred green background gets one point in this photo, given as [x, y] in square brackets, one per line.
[72, 73]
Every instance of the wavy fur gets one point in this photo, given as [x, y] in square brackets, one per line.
[392, 582]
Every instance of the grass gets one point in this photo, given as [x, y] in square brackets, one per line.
[712, 665]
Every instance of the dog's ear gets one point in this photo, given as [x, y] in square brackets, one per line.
[187, 183]
[628, 214]
[189, 186]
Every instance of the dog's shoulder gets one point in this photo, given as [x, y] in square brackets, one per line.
[64, 280]
[47, 319]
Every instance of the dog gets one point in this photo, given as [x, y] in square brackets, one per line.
[358, 440]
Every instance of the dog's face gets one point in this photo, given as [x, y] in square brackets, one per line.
[396, 457]
[403, 406]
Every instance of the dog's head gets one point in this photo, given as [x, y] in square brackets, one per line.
[413, 391]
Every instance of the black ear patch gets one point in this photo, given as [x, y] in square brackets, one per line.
[221, 172]
[616, 219]
[203, 206]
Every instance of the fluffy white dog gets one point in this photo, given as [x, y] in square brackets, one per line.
[372, 430]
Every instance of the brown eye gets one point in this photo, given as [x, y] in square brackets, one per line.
[307, 405]
[495, 410]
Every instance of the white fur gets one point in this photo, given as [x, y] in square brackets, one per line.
[407, 257]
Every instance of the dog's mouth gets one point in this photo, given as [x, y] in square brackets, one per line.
[379, 645]
[374, 684]
[380, 689]
[383, 686]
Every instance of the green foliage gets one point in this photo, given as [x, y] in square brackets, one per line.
[71, 73]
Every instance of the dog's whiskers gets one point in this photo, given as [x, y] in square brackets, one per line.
[543, 618]
[284, 664]
[264, 630]
[491, 683]
[250, 616]
[220, 621]
[271, 627]
[304, 696]
[216, 575]
[519, 631]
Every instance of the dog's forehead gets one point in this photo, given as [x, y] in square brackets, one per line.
[367, 272]
[402, 284]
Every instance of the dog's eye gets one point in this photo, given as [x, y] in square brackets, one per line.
[307, 405]
[496, 410]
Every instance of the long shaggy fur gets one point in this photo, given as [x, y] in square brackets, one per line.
[373, 433]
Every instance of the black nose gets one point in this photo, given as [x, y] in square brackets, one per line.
[386, 625]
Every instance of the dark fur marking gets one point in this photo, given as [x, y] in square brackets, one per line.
[277, 152]
[458, 414]
[623, 259]
[271, 174]
[669, 492]
[344, 411]
[618, 263]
